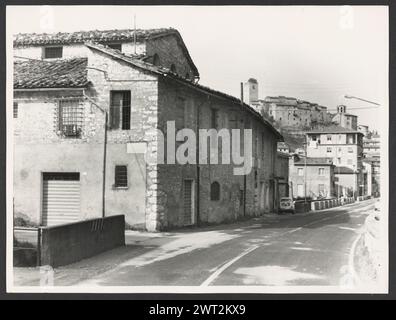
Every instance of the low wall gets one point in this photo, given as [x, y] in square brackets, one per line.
[301, 206]
[68, 243]
[362, 198]
[330, 203]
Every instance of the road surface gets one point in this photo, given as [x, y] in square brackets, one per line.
[300, 250]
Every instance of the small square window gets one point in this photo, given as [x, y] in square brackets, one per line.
[121, 177]
[300, 171]
[329, 150]
[53, 52]
[321, 171]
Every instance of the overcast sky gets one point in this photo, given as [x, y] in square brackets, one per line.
[315, 53]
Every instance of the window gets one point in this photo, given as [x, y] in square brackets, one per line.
[350, 149]
[329, 137]
[339, 160]
[321, 189]
[121, 177]
[255, 179]
[349, 161]
[187, 76]
[15, 109]
[329, 149]
[300, 190]
[156, 60]
[300, 171]
[233, 120]
[70, 118]
[215, 191]
[173, 68]
[115, 46]
[214, 119]
[321, 171]
[53, 52]
[120, 110]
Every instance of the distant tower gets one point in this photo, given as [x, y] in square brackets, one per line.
[250, 91]
[341, 109]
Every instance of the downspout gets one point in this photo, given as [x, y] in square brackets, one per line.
[244, 176]
[104, 152]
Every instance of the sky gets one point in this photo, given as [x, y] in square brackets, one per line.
[315, 53]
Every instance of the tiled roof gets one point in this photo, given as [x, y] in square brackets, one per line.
[65, 73]
[343, 170]
[100, 36]
[333, 129]
[22, 39]
[116, 54]
[315, 161]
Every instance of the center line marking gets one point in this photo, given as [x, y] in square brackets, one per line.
[214, 275]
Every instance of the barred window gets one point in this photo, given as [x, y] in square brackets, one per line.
[121, 177]
[70, 118]
[53, 52]
[120, 110]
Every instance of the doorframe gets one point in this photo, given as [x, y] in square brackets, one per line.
[193, 217]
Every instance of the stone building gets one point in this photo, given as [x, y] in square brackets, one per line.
[84, 126]
[281, 177]
[371, 155]
[344, 119]
[345, 147]
[160, 47]
[316, 182]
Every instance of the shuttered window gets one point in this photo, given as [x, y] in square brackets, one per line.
[214, 118]
[121, 177]
[120, 110]
[215, 191]
[188, 203]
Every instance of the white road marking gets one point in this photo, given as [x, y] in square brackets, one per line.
[214, 275]
[221, 269]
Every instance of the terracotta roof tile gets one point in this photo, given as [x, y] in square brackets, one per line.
[65, 73]
[22, 39]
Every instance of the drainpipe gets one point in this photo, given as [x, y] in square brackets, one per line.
[244, 176]
[104, 152]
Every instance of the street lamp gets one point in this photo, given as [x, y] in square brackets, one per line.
[357, 98]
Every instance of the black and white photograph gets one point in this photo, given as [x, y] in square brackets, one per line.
[197, 149]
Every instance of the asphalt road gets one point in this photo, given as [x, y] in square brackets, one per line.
[300, 250]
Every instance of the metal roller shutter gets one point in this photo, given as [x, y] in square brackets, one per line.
[61, 198]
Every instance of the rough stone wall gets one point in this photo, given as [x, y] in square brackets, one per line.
[313, 179]
[170, 189]
[74, 50]
[169, 52]
[38, 147]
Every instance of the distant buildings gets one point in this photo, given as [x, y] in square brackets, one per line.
[285, 111]
[318, 178]
[344, 119]
[345, 147]
[371, 155]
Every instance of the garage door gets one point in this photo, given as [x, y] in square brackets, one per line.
[61, 198]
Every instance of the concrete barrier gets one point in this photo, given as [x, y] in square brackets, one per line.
[68, 243]
[330, 203]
